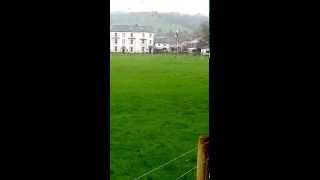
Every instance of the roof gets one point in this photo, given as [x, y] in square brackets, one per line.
[164, 39]
[195, 41]
[130, 28]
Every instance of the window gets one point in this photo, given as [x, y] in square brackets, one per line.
[142, 41]
[150, 35]
[150, 41]
[131, 41]
[131, 49]
[142, 49]
[115, 41]
[115, 48]
[123, 34]
[115, 34]
[123, 41]
[131, 34]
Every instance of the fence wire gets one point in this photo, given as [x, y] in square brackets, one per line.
[164, 164]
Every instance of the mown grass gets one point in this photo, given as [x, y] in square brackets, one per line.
[159, 107]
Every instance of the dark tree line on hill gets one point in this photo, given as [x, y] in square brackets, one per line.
[203, 33]
[161, 22]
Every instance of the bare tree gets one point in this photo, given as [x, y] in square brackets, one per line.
[203, 32]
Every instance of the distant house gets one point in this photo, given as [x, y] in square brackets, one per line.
[162, 46]
[192, 50]
[161, 43]
[131, 39]
[205, 51]
[196, 46]
[191, 44]
[168, 42]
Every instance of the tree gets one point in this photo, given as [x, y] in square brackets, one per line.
[203, 32]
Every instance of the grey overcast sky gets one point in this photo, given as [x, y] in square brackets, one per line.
[181, 6]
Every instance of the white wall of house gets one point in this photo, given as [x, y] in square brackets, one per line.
[138, 42]
[162, 46]
[205, 51]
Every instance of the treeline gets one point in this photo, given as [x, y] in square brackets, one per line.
[161, 22]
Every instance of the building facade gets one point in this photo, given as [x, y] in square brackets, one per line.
[131, 39]
[162, 46]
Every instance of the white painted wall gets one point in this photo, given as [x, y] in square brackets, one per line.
[162, 45]
[137, 42]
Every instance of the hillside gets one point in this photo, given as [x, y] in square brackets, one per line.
[161, 22]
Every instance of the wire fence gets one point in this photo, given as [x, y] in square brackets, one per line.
[164, 164]
[184, 174]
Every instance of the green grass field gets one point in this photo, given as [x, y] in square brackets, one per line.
[159, 107]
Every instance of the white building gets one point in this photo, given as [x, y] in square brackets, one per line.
[162, 46]
[164, 43]
[131, 39]
[205, 51]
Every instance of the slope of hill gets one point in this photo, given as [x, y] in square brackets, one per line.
[161, 22]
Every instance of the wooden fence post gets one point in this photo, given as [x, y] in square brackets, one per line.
[202, 158]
